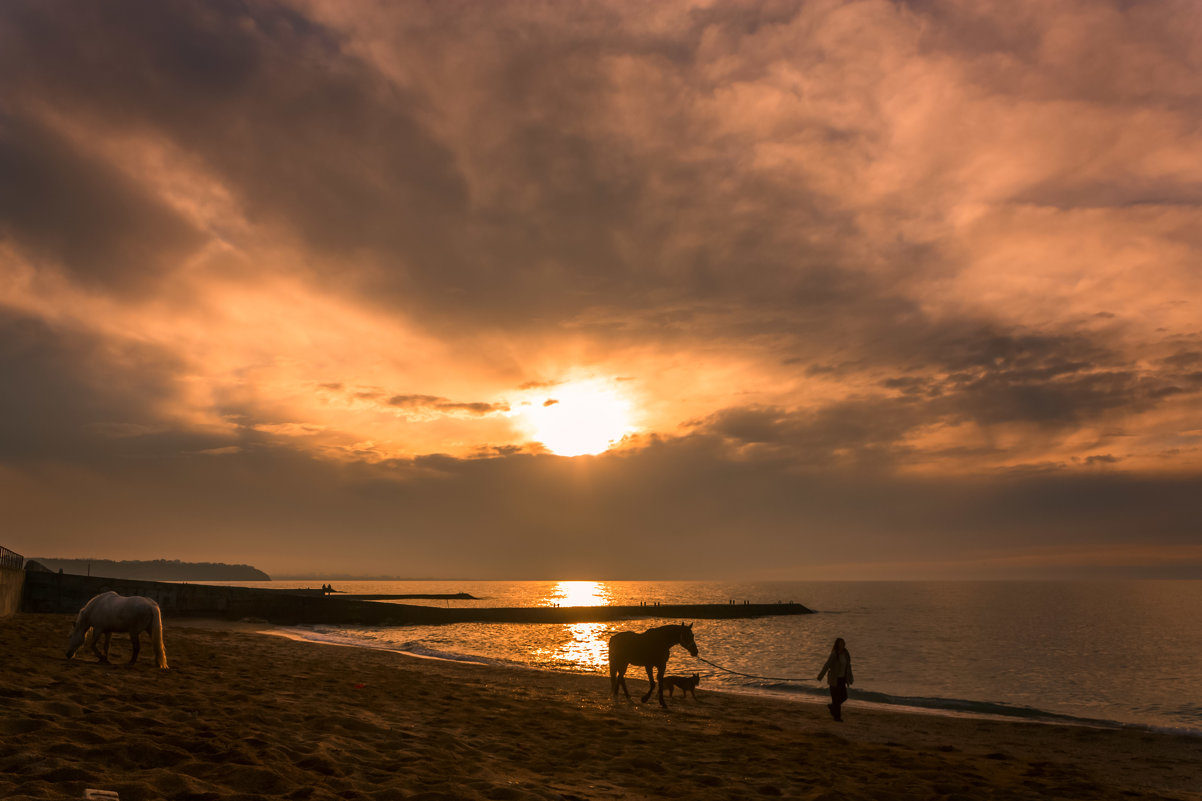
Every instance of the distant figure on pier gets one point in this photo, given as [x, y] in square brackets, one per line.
[838, 672]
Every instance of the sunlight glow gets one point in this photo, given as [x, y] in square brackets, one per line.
[585, 647]
[579, 418]
[580, 593]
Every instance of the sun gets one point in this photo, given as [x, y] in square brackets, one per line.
[579, 418]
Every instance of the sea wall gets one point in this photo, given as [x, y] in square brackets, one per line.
[12, 582]
[66, 594]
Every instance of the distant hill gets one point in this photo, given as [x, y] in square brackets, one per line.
[154, 570]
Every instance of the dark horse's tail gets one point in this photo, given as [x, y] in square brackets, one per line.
[618, 660]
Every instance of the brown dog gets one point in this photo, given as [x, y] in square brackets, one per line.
[686, 685]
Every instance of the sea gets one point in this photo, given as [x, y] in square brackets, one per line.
[1097, 653]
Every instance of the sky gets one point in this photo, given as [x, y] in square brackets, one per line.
[603, 290]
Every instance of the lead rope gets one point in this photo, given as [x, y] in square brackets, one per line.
[748, 675]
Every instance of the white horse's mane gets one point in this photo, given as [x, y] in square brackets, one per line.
[85, 611]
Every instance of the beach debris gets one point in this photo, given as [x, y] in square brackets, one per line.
[108, 795]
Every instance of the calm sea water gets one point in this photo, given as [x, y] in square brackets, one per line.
[1125, 653]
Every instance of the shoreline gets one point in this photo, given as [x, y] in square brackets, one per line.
[817, 698]
[243, 715]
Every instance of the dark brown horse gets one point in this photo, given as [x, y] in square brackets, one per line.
[649, 649]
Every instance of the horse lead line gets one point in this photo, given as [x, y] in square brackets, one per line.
[748, 675]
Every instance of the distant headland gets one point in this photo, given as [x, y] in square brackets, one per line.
[154, 570]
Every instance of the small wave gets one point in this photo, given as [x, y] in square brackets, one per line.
[962, 707]
[358, 639]
[422, 651]
[980, 708]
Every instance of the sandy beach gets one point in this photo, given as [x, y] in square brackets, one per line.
[244, 715]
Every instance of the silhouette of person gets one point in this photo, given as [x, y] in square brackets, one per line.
[838, 675]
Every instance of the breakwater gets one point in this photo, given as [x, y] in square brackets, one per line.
[66, 593]
[428, 596]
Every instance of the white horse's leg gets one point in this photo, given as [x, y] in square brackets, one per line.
[135, 642]
[101, 656]
[94, 643]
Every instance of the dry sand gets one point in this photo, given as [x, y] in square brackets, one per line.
[242, 715]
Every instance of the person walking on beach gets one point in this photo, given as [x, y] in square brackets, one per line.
[838, 675]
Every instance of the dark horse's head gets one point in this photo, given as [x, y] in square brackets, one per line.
[686, 638]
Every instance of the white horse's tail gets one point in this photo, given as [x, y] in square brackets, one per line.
[156, 636]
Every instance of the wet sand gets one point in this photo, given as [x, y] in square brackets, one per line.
[243, 715]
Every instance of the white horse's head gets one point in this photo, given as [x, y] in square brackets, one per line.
[77, 635]
[83, 622]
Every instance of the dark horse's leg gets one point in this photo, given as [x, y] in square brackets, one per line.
[136, 642]
[659, 669]
[651, 689]
[617, 678]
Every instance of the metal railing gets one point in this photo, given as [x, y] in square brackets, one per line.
[10, 559]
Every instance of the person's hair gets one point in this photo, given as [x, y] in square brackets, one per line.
[835, 647]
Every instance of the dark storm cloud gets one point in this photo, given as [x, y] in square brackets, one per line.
[1073, 51]
[83, 214]
[1057, 383]
[1107, 194]
[548, 205]
[310, 137]
[865, 432]
[307, 136]
[1025, 398]
[1058, 380]
[1184, 360]
[990, 376]
[575, 214]
[70, 397]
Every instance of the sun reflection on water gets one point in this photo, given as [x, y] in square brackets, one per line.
[578, 646]
[580, 593]
[583, 646]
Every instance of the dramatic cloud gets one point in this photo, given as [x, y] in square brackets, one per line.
[916, 278]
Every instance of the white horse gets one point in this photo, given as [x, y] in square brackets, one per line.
[109, 612]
